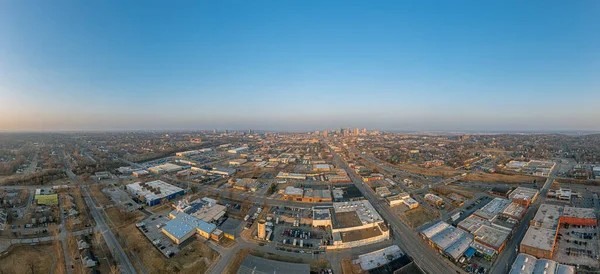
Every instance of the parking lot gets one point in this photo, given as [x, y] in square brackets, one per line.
[121, 198]
[577, 246]
[151, 229]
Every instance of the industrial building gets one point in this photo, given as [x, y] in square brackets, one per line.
[524, 196]
[286, 175]
[238, 150]
[291, 193]
[139, 173]
[472, 223]
[245, 184]
[378, 258]
[165, 168]
[205, 209]
[322, 167]
[527, 264]
[449, 240]
[152, 193]
[492, 237]
[433, 199]
[490, 210]
[540, 239]
[237, 162]
[355, 223]
[402, 198]
[257, 265]
[383, 191]
[223, 171]
[182, 226]
[187, 153]
[514, 210]
[321, 217]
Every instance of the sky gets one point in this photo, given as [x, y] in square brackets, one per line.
[299, 65]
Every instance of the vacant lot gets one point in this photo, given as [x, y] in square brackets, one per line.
[32, 259]
[195, 257]
[502, 178]
[418, 216]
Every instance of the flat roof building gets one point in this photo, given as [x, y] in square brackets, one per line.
[165, 168]
[547, 216]
[356, 223]
[257, 265]
[433, 199]
[527, 264]
[152, 193]
[183, 226]
[579, 216]
[524, 196]
[472, 223]
[539, 242]
[491, 209]
[514, 211]
[238, 150]
[491, 237]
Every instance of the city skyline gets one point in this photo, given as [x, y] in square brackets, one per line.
[508, 66]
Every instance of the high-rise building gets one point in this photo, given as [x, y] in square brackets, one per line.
[325, 133]
[364, 131]
[215, 131]
[356, 131]
[262, 229]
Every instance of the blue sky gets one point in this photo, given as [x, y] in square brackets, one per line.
[402, 65]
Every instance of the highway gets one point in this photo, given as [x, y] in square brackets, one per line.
[115, 248]
[423, 255]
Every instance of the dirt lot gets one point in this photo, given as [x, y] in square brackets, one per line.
[196, 257]
[503, 178]
[33, 259]
[349, 268]
[101, 199]
[235, 263]
[418, 216]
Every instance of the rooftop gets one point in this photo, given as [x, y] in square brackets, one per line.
[154, 189]
[491, 209]
[257, 265]
[514, 210]
[379, 257]
[435, 229]
[364, 210]
[359, 234]
[491, 236]
[577, 212]
[183, 224]
[527, 264]
[540, 238]
[472, 223]
[321, 214]
[447, 237]
[523, 193]
[290, 190]
[547, 216]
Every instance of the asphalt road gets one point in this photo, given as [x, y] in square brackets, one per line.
[410, 242]
[117, 251]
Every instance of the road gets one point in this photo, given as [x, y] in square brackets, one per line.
[507, 257]
[115, 248]
[410, 242]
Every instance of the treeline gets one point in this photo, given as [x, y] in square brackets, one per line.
[8, 168]
[40, 178]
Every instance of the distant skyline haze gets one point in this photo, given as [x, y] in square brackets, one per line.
[300, 65]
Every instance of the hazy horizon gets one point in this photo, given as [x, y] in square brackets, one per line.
[397, 66]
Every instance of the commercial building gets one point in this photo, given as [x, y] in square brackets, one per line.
[140, 173]
[378, 258]
[237, 162]
[490, 210]
[306, 195]
[472, 223]
[187, 153]
[502, 192]
[165, 168]
[223, 171]
[402, 198]
[547, 216]
[524, 196]
[373, 177]
[433, 199]
[321, 217]
[579, 216]
[492, 237]
[182, 226]
[238, 150]
[293, 193]
[3, 219]
[245, 184]
[152, 193]
[205, 209]
[322, 167]
[527, 264]
[383, 191]
[356, 223]
[449, 240]
[257, 265]
[539, 242]
[286, 175]
[514, 210]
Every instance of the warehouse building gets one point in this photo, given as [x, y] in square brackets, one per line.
[321, 217]
[165, 168]
[514, 211]
[152, 193]
[402, 198]
[433, 199]
[579, 216]
[238, 150]
[322, 167]
[257, 265]
[491, 209]
[547, 216]
[491, 237]
[356, 223]
[286, 175]
[183, 226]
[223, 171]
[524, 196]
[472, 223]
[539, 242]
[205, 209]
[245, 184]
[527, 264]
[449, 240]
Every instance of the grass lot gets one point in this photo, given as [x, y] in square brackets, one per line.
[33, 259]
[101, 198]
[349, 268]
[418, 216]
[502, 178]
[235, 263]
[196, 257]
